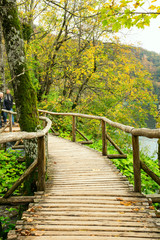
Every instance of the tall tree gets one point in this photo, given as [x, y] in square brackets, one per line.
[24, 92]
[2, 72]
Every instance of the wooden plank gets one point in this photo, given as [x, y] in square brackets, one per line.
[80, 222]
[91, 213]
[91, 208]
[143, 230]
[128, 205]
[89, 219]
[106, 201]
[92, 237]
[84, 233]
[86, 198]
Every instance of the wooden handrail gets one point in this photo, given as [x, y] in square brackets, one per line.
[135, 132]
[41, 162]
[145, 132]
[8, 111]
[14, 136]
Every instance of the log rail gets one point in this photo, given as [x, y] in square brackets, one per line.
[40, 162]
[135, 133]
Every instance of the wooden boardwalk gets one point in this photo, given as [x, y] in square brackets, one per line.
[86, 198]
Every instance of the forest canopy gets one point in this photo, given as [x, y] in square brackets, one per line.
[77, 63]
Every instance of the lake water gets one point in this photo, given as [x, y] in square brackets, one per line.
[149, 146]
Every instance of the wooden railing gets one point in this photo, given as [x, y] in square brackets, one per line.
[135, 133]
[9, 124]
[40, 162]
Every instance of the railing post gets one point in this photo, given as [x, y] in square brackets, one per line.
[136, 164]
[73, 128]
[41, 164]
[10, 122]
[104, 141]
[44, 122]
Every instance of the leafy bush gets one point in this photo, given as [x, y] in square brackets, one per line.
[7, 224]
[10, 170]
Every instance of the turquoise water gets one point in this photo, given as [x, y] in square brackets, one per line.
[149, 146]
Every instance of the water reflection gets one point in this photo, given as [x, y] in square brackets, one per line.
[149, 146]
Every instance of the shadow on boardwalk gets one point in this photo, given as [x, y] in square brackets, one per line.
[86, 198]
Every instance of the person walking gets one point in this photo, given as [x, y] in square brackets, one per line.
[8, 104]
[1, 106]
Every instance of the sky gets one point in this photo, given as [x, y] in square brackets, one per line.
[148, 38]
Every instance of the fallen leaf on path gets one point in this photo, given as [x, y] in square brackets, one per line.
[31, 209]
[29, 219]
[152, 208]
[136, 209]
[119, 199]
[125, 203]
[33, 229]
[38, 234]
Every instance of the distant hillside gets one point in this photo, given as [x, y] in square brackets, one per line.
[151, 61]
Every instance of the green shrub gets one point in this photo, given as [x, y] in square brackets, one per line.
[10, 170]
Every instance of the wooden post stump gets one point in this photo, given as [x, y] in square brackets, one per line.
[104, 141]
[10, 122]
[73, 129]
[136, 164]
[41, 164]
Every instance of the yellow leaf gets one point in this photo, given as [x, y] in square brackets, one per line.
[136, 209]
[125, 203]
[152, 7]
[119, 199]
[136, 4]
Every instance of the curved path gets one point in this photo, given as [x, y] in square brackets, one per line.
[86, 198]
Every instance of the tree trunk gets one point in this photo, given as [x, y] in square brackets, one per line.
[24, 92]
[2, 74]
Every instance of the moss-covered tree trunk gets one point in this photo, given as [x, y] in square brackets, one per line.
[24, 92]
[2, 74]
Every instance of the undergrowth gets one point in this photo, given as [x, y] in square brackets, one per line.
[10, 171]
